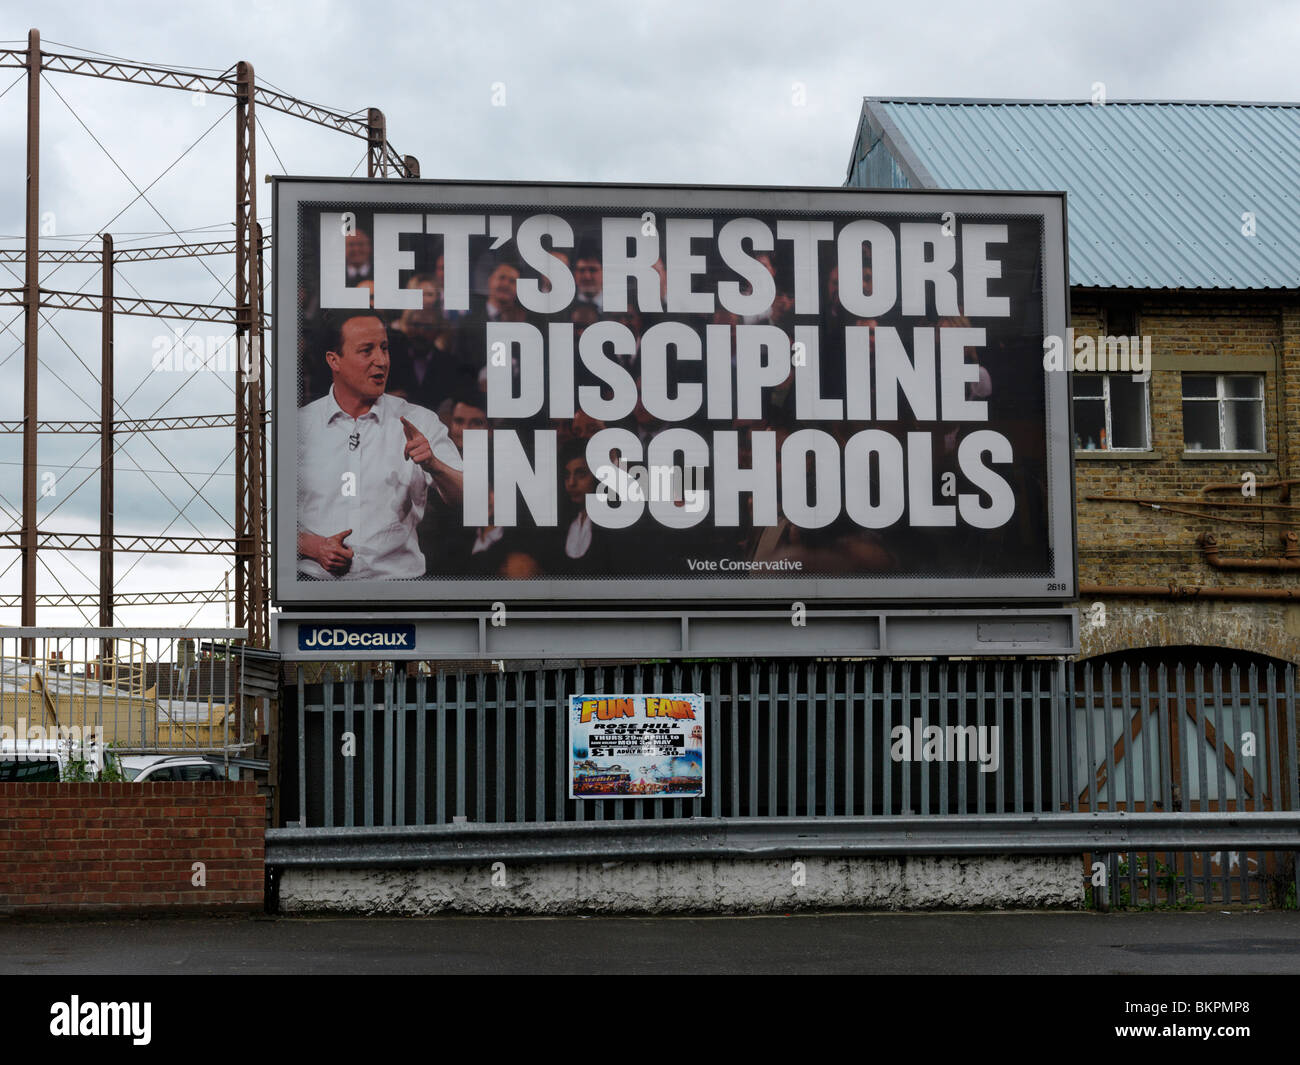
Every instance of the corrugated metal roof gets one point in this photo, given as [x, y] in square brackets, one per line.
[1156, 191]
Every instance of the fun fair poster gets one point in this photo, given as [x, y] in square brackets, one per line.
[630, 746]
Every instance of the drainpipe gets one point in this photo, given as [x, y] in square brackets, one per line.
[1288, 561]
[1235, 486]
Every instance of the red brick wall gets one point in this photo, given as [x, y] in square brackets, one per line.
[131, 847]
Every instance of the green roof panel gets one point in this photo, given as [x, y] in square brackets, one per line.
[1158, 193]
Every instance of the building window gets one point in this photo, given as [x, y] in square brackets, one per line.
[1223, 412]
[1121, 320]
[1111, 413]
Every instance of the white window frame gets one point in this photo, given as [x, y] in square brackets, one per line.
[1220, 398]
[1105, 401]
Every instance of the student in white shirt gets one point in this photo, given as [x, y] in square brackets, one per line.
[366, 461]
[582, 548]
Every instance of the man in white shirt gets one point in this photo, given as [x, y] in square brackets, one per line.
[366, 461]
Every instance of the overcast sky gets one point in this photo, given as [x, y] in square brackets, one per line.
[755, 92]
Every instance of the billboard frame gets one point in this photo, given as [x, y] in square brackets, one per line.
[289, 591]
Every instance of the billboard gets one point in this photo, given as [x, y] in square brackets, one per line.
[610, 393]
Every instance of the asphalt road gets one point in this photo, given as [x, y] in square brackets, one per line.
[1184, 943]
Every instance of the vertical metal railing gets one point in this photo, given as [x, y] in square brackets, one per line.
[832, 739]
[867, 738]
[131, 691]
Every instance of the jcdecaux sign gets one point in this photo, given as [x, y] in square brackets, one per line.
[356, 637]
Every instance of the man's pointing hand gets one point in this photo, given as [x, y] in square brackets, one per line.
[417, 446]
[449, 481]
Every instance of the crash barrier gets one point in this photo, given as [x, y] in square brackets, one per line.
[883, 742]
[134, 690]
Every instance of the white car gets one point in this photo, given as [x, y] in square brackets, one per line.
[154, 768]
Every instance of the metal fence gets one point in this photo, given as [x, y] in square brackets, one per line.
[138, 690]
[783, 740]
[824, 739]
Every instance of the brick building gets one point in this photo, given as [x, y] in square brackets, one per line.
[1184, 233]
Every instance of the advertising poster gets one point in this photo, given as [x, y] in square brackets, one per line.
[579, 393]
[632, 746]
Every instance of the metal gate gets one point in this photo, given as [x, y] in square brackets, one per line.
[1187, 741]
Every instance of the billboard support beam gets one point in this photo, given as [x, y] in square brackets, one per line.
[469, 635]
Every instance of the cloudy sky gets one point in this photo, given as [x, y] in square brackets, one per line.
[759, 92]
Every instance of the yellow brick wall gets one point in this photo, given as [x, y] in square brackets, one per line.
[1122, 543]
[1125, 544]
